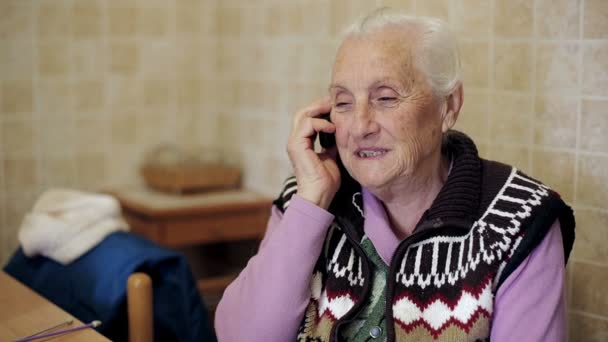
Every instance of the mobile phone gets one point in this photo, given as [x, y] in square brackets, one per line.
[326, 140]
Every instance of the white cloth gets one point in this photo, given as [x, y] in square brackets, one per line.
[65, 224]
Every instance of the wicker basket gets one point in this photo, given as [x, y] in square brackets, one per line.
[190, 178]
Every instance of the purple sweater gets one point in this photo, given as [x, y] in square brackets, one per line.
[268, 299]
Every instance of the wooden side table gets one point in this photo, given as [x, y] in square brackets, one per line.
[178, 221]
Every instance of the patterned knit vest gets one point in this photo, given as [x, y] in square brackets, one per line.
[485, 221]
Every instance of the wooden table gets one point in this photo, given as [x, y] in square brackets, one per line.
[23, 312]
[186, 220]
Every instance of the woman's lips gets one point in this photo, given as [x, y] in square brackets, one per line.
[368, 153]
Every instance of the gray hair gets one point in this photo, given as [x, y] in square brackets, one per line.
[436, 51]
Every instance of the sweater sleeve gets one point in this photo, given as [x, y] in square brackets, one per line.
[530, 306]
[266, 302]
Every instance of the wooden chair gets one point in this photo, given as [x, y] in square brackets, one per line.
[140, 308]
[105, 291]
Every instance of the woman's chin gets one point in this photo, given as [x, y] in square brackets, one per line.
[371, 180]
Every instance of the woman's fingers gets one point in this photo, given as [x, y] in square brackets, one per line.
[321, 106]
[307, 124]
[309, 127]
[322, 125]
[317, 173]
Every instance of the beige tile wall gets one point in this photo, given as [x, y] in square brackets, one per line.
[87, 86]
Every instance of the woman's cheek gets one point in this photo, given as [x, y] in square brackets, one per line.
[341, 133]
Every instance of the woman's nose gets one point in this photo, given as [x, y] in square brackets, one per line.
[364, 122]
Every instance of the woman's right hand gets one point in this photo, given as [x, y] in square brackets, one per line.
[317, 174]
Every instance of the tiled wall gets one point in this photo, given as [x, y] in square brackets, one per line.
[87, 86]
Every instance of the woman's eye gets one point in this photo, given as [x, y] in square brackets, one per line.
[341, 106]
[387, 101]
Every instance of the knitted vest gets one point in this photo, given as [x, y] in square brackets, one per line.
[485, 221]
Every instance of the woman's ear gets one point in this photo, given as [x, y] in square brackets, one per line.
[453, 105]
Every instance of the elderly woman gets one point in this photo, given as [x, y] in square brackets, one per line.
[401, 232]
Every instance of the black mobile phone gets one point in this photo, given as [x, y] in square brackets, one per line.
[327, 140]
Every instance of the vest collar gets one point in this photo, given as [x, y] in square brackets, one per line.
[456, 204]
[459, 199]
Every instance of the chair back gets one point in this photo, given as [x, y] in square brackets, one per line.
[139, 306]
[95, 286]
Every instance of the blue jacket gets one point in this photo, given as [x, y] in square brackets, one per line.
[94, 287]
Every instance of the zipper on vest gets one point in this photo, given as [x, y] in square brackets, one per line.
[347, 227]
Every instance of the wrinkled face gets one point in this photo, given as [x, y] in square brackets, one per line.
[388, 121]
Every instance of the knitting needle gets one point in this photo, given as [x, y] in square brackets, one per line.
[68, 322]
[93, 324]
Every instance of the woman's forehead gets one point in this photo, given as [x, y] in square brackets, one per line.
[374, 57]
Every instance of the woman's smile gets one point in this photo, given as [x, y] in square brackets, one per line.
[371, 153]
